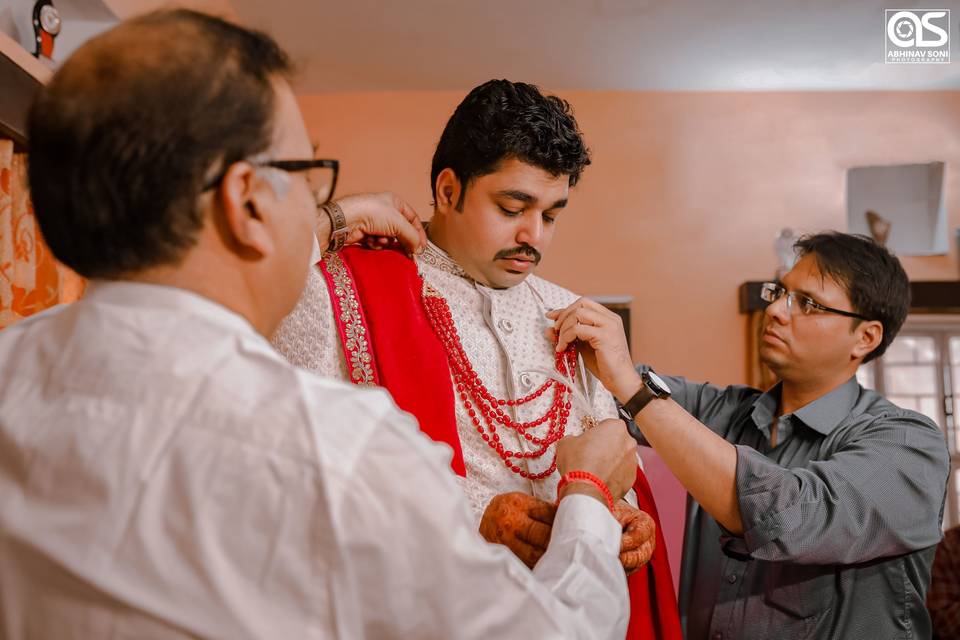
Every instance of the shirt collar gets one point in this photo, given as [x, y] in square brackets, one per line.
[154, 296]
[823, 415]
[765, 407]
[439, 259]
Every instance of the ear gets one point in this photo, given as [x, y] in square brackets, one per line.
[248, 202]
[869, 336]
[448, 191]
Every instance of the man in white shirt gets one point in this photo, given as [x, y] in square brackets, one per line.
[164, 473]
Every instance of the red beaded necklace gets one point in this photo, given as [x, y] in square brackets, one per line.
[480, 403]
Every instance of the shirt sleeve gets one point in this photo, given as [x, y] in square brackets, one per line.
[879, 495]
[417, 567]
[712, 405]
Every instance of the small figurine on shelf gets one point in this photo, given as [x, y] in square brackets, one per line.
[46, 27]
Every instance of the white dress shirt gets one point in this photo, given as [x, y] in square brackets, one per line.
[164, 473]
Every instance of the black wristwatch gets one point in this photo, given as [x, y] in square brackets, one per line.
[653, 387]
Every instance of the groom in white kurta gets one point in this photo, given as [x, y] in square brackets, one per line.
[496, 208]
[501, 177]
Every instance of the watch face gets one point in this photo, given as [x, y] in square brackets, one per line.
[660, 386]
[50, 19]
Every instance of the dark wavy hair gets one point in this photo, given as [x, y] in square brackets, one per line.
[124, 137]
[500, 120]
[873, 278]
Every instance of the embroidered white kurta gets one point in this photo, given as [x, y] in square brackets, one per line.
[502, 331]
[164, 473]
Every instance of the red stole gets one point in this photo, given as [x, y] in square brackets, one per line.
[388, 340]
[651, 586]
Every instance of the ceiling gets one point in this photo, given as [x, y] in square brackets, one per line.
[676, 45]
[685, 45]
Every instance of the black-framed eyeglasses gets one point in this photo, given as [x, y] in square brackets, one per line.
[321, 174]
[771, 292]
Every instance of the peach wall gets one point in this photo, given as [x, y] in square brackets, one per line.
[684, 197]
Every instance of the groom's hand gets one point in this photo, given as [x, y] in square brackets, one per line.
[639, 536]
[521, 522]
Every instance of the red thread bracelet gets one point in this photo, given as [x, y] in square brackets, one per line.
[584, 476]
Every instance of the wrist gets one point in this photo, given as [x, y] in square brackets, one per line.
[585, 483]
[627, 386]
[581, 488]
[652, 387]
[323, 229]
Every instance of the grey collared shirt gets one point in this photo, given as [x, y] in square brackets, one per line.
[840, 519]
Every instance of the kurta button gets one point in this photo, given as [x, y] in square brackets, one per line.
[731, 578]
[506, 325]
[526, 381]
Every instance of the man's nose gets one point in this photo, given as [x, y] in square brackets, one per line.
[531, 229]
[779, 310]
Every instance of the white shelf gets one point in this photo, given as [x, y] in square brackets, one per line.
[122, 9]
[23, 59]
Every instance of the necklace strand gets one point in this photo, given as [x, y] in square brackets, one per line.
[486, 411]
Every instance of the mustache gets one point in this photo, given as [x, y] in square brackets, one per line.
[523, 250]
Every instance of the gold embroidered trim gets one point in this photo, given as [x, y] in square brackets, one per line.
[438, 259]
[359, 354]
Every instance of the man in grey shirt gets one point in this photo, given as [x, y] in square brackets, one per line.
[815, 506]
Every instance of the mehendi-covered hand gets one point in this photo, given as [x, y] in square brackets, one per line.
[521, 522]
[639, 536]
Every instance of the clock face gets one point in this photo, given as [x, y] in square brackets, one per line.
[50, 19]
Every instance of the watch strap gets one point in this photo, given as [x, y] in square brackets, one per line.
[640, 399]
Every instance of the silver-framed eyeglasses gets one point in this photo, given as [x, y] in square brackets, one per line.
[799, 303]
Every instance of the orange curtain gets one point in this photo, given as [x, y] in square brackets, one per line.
[31, 279]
